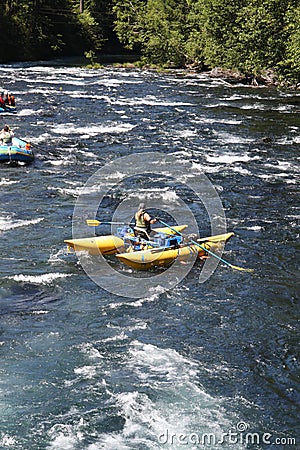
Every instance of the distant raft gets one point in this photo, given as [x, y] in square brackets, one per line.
[8, 109]
[165, 256]
[17, 151]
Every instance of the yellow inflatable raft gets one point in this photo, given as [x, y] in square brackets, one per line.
[163, 257]
[109, 245]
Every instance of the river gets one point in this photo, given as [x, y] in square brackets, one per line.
[213, 363]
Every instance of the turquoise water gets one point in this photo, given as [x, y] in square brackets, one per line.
[85, 369]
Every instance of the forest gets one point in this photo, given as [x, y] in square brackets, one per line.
[253, 37]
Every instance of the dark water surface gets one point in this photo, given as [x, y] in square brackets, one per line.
[85, 369]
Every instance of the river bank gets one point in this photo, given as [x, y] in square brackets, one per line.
[267, 78]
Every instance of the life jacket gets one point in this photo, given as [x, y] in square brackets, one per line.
[11, 100]
[6, 137]
[139, 220]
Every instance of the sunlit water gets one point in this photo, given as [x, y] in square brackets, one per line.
[84, 369]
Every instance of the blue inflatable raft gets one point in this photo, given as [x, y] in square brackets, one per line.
[8, 109]
[17, 151]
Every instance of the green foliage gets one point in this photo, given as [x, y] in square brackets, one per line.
[91, 29]
[251, 36]
[289, 66]
[47, 28]
[129, 21]
[248, 35]
[90, 56]
[157, 27]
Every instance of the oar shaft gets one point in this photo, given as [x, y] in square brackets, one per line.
[114, 223]
[208, 251]
[199, 245]
[96, 222]
[211, 253]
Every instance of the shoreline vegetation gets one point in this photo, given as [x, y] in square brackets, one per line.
[229, 76]
[255, 42]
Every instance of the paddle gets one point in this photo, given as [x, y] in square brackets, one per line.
[40, 148]
[37, 146]
[32, 145]
[206, 250]
[96, 223]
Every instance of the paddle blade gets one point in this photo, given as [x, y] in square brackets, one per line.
[93, 223]
[241, 268]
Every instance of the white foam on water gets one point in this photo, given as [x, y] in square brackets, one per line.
[287, 178]
[61, 162]
[186, 133]
[7, 441]
[86, 372]
[234, 97]
[217, 120]
[8, 223]
[89, 371]
[69, 191]
[291, 181]
[286, 165]
[230, 158]
[155, 292]
[52, 80]
[75, 192]
[114, 82]
[87, 154]
[149, 100]
[283, 108]
[165, 195]
[46, 278]
[255, 106]
[29, 112]
[203, 168]
[229, 138]
[7, 182]
[283, 166]
[253, 228]
[66, 437]
[116, 176]
[90, 351]
[42, 138]
[170, 197]
[92, 130]
[140, 325]
[118, 337]
[136, 304]
[171, 403]
[240, 170]
[57, 256]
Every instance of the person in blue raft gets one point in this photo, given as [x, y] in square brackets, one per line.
[6, 135]
[9, 99]
[7, 102]
[2, 101]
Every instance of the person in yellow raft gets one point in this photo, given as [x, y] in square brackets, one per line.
[143, 223]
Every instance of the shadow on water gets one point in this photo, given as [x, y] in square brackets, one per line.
[26, 298]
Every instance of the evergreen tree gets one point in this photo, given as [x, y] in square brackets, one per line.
[249, 35]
